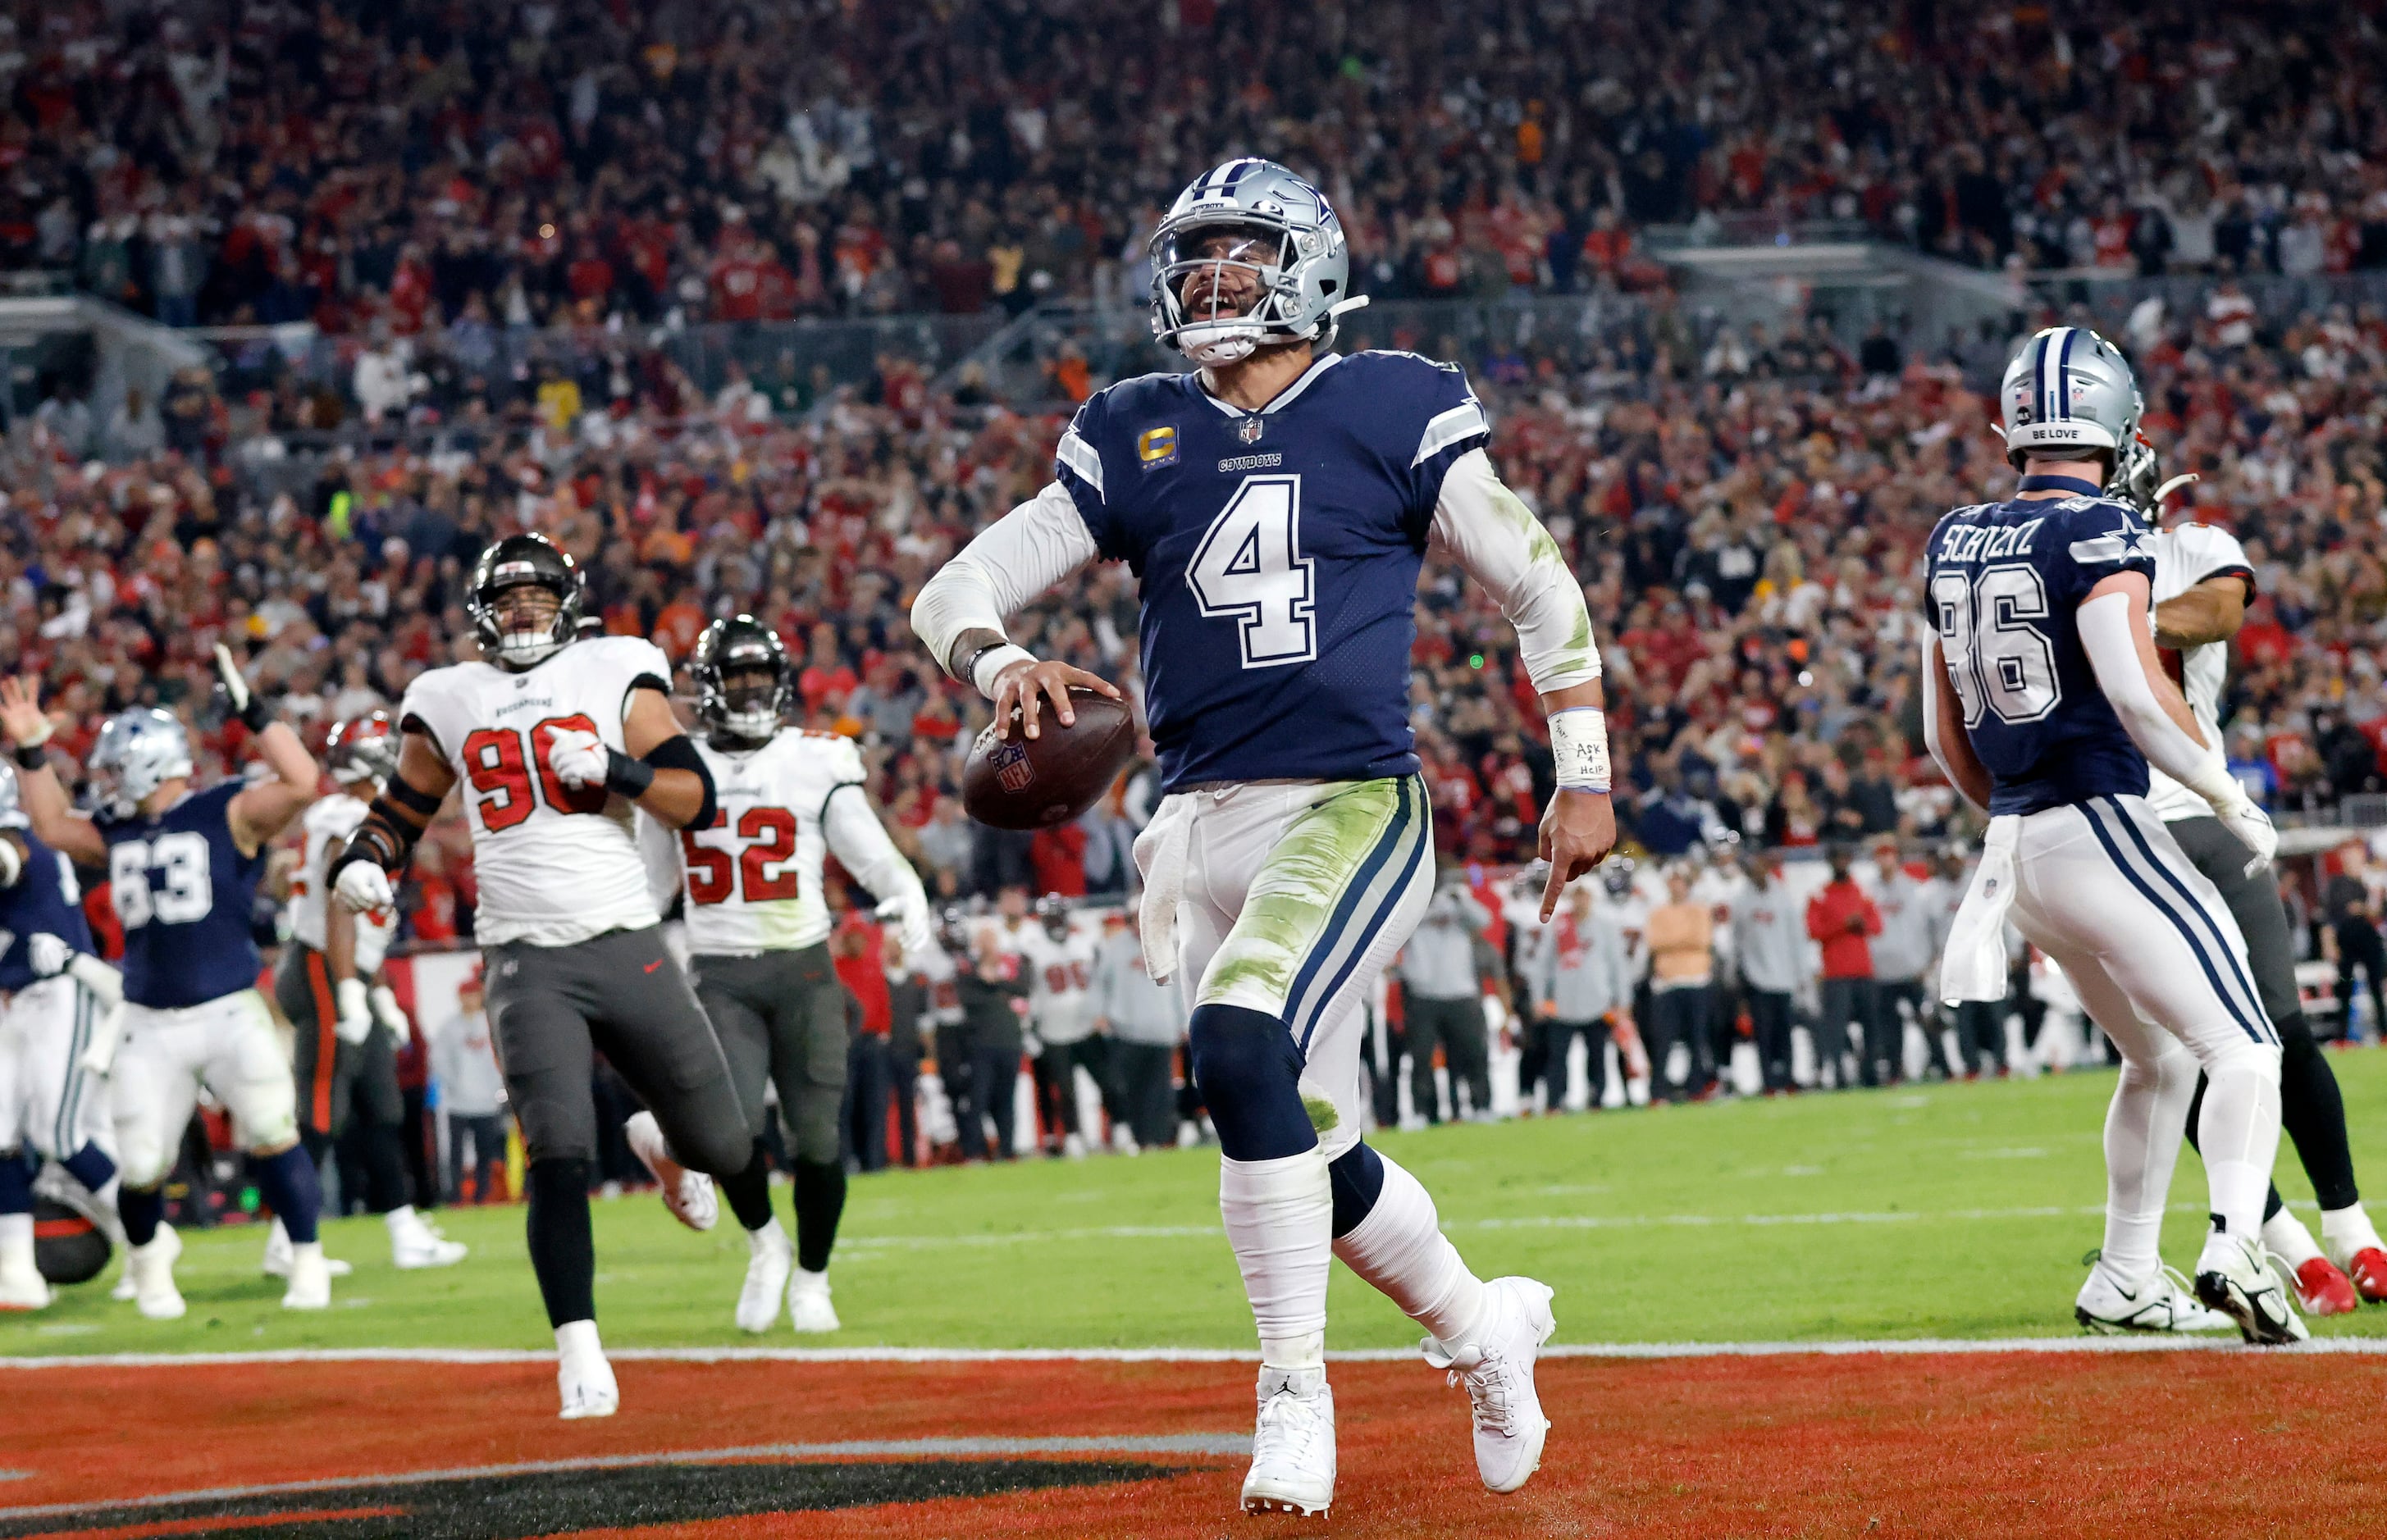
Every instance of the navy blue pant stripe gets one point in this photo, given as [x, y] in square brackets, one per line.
[2113, 852]
[2247, 995]
[1383, 852]
[70, 1103]
[1383, 913]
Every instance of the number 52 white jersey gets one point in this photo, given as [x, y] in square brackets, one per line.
[753, 878]
[555, 864]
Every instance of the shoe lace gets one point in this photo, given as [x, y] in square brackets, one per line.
[1288, 1426]
[1491, 1389]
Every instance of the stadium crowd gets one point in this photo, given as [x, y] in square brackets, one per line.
[420, 167]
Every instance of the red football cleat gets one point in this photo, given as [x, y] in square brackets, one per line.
[2369, 1267]
[2323, 1291]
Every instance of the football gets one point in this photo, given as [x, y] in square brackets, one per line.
[1015, 782]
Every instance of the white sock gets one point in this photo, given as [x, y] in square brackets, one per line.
[2239, 1131]
[301, 1251]
[577, 1340]
[2347, 1230]
[767, 1234]
[2144, 1123]
[16, 1242]
[401, 1217]
[277, 1237]
[1279, 1219]
[1400, 1249]
[810, 1282]
[2285, 1235]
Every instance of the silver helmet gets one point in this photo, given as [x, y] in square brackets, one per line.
[140, 751]
[1282, 233]
[2069, 394]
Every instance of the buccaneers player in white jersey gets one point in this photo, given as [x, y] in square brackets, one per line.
[758, 924]
[555, 741]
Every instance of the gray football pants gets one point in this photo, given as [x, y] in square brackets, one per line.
[554, 1008]
[781, 1019]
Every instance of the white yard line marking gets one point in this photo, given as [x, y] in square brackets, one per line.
[1895, 1346]
[1129, 1444]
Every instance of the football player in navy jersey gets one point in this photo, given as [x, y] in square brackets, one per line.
[2045, 705]
[1276, 505]
[183, 872]
[56, 996]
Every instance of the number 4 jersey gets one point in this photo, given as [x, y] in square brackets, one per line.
[556, 864]
[1278, 554]
[2006, 581]
[753, 878]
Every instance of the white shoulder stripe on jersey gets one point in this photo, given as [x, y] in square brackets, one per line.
[1079, 456]
[1448, 428]
[2104, 548]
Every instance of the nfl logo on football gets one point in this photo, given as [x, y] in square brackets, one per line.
[1011, 766]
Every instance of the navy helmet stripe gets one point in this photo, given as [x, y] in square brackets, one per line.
[2247, 998]
[2038, 378]
[2114, 853]
[2063, 402]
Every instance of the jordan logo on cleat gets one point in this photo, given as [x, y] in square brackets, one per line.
[2220, 1224]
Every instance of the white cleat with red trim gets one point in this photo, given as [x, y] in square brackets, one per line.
[688, 1194]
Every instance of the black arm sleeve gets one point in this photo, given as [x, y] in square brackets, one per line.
[677, 753]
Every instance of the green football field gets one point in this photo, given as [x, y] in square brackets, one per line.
[1941, 1211]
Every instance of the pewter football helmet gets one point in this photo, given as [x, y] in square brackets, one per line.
[1293, 245]
[140, 751]
[2069, 394]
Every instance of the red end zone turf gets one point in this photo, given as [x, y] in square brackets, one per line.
[1987, 1444]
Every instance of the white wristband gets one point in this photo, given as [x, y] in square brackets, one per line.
[1579, 744]
[991, 667]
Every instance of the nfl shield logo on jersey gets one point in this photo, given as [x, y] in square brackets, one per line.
[1251, 430]
[1011, 766]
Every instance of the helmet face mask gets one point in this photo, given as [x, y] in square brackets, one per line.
[361, 750]
[1280, 242]
[742, 678]
[140, 751]
[512, 626]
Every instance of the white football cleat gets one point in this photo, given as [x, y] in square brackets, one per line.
[771, 1257]
[688, 1194]
[276, 1261]
[151, 1269]
[2235, 1277]
[311, 1279]
[1497, 1370]
[2162, 1303]
[1073, 1145]
[415, 1242]
[583, 1378]
[808, 1306]
[23, 1287]
[1293, 1446]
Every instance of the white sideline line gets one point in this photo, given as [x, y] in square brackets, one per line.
[1891, 1346]
[1129, 1444]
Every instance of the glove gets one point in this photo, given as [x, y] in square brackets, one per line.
[239, 699]
[2253, 828]
[354, 1022]
[364, 887]
[390, 1014]
[47, 955]
[579, 759]
[910, 914]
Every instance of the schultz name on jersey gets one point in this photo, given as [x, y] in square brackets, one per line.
[1278, 555]
[556, 864]
[184, 893]
[754, 876]
[2006, 583]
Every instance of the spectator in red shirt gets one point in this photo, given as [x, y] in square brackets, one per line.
[1058, 858]
[1840, 917]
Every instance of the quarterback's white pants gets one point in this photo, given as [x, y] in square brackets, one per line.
[228, 1046]
[1294, 897]
[47, 1099]
[2158, 962]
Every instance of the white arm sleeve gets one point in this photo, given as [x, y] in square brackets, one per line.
[1029, 550]
[2109, 630]
[860, 844]
[1497, 541]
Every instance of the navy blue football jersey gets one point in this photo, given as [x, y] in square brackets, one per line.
[44, 899]
[182, 892]
[1278, 554]
[2006, 583]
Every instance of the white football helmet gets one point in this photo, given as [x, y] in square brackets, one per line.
[140, 751]
[2069, 394]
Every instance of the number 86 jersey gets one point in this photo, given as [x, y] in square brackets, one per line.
[2006, 581]
[556, 864]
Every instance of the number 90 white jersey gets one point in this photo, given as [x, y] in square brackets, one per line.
[753, 878]
[555, 864]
